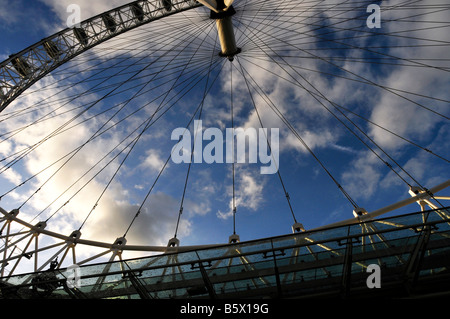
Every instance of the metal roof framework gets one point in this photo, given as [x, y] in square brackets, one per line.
[411, 252]
[43, 247]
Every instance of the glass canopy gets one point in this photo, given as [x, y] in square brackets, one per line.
[411, 253]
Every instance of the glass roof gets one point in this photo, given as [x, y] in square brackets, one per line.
[335, 260]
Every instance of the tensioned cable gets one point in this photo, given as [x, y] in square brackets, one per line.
[353, 8]
[232, 152]
[408, 174]
[156, 29]
[349, 111]
[148, 194]
[327, 26]
[98, 134]
[30, 149]
[359, 76]
[180, 212]
[321, 26]
[95, 58]
[254, 16]
[128, 57]
[271, 16]
[90, 138]
[302, 141]
[207, 44]
[145, 122]
[393, 133]
[16, 131]
[339, 76]
[269, 145]
[85, 143]
[143, 131]
[109, 94]
[365, 134]
[93, 90]
[160, 117]
[348, 128]
[317, 13]
[287, 123]
[94, 116]
[46, 117]
[378, 34]
[166, 162]
[369, 34]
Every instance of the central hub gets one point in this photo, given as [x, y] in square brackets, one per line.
[225, 29]
[222, 11]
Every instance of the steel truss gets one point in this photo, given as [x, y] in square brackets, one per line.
[328, 262]
[63, 246]
[25, 68]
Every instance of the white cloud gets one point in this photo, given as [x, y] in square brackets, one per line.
[10, 12]
[154, 226]
[82, 178]
[362, 177]
[248, 193]
[14, 177]
[5, 147]
[153, 161]
[397, 111]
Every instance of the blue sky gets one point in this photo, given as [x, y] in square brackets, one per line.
[357, 60]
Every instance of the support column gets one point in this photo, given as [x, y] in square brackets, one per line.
[226, 37]
[222, 11]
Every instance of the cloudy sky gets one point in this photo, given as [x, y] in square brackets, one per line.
[346, 99]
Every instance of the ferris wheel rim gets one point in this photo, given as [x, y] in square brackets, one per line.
[13, 70]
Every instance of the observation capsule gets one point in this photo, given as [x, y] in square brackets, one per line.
[52, 49]
[2, 94]
[138, 12]
[81, 36]
[167, 5]
[109, 22]
[21, 66]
